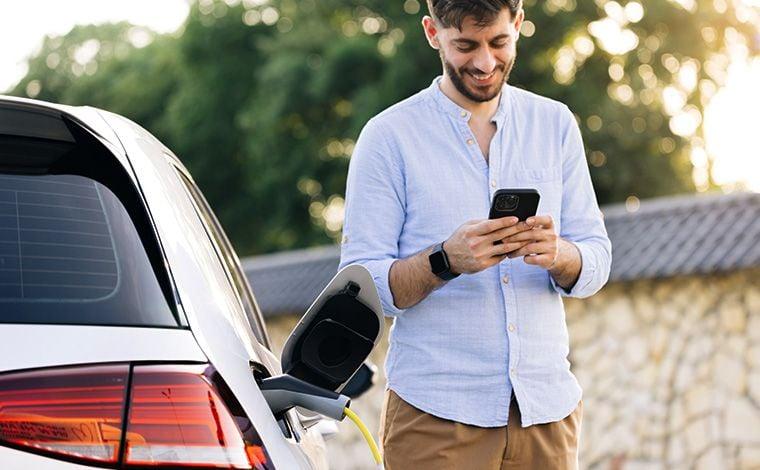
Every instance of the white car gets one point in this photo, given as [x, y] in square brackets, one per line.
[129, 336]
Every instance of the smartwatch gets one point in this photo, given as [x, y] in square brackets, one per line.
[439, 263]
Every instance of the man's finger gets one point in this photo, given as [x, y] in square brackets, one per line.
[545, 221]
[538, 259]
[490, 225]
[535, 234]
[506, 232]
[532, 248]
[505, 248]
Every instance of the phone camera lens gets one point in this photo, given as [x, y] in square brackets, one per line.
[507, 202]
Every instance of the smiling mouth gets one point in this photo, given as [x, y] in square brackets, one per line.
[481, 77]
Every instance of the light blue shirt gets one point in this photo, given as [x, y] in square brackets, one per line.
[416, 174]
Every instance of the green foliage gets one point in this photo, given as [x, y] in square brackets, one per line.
[263, 102]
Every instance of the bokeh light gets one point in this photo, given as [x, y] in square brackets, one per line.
[732, 127]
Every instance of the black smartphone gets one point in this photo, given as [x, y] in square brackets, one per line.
[520, 203]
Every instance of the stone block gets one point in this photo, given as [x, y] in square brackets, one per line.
[698, 349]
[583, 330]
[742, 422]
[753, 357]
[749, 458]
[698, 436]
[752, 300]
[636, 352]
[677, 417]
[646, 377]
[640, 464]
[730, 373]
[735, 345]
[663, 290]
[753, 386]
[711, 460]
[670, 315]
[619, 318]
[659, 338]
[676, 450]
[685, 378]
[698, 400]
[586, 354]
[733, 317]
[753, 326]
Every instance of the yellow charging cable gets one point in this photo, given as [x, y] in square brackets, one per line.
[367, 436]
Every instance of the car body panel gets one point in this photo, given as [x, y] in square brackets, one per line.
[87, 116]
[217, 322]
[32, 346]
[216, 319]
[13, 459]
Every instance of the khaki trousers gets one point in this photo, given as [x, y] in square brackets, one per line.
[414, 440]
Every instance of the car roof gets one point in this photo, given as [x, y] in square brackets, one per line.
[95, 119]
[85, 115]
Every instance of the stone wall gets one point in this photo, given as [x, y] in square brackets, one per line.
[670, 371]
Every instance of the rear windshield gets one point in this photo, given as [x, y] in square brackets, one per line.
[71, 254]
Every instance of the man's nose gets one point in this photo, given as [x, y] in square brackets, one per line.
[484, 60]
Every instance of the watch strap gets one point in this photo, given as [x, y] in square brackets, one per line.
[446, 273]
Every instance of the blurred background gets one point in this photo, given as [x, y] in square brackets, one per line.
[263, 101]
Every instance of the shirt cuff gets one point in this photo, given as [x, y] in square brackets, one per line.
[584, 278]
[380, 270]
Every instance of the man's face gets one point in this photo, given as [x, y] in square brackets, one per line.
[478, 59]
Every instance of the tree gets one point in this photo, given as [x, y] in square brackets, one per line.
[103, 66]
[263, 101]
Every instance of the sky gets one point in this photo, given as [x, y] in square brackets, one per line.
[24, 24]
[730, 119]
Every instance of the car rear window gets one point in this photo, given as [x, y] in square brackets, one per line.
[70, 253]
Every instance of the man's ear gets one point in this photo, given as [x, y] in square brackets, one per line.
[519, 18]
[431, 31]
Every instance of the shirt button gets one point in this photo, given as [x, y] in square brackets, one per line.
[470, 141]
[505, 279]
[463, 114]
[345, 238]
[512, 372]
[511, 327]
[493, 183]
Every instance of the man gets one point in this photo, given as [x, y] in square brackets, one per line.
[477, 366]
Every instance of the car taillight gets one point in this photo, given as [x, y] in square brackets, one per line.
[176, 417]
[72, 412]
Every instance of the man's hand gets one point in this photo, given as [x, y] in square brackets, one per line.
[543, 247]
[540, 243]
[471, 248]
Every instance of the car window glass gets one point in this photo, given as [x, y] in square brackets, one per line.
[70, 253]
[230, 261]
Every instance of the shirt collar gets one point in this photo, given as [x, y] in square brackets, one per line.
[457, 112]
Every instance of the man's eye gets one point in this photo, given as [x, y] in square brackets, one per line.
[465, 48]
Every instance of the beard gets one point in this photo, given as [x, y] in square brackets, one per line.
[474, 92]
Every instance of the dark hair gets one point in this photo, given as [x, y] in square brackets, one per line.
[453, 12]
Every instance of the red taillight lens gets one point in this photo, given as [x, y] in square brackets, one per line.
[75, 412]
[177, 418]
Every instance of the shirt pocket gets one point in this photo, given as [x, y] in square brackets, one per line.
[548, 183]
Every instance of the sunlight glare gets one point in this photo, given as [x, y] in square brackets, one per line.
[731, 127]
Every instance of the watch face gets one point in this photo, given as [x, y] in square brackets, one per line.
[438, 262]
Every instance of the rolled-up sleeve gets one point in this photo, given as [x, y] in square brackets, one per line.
[582, 222]
[374, 209]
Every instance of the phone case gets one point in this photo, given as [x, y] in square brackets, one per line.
[526, 206]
